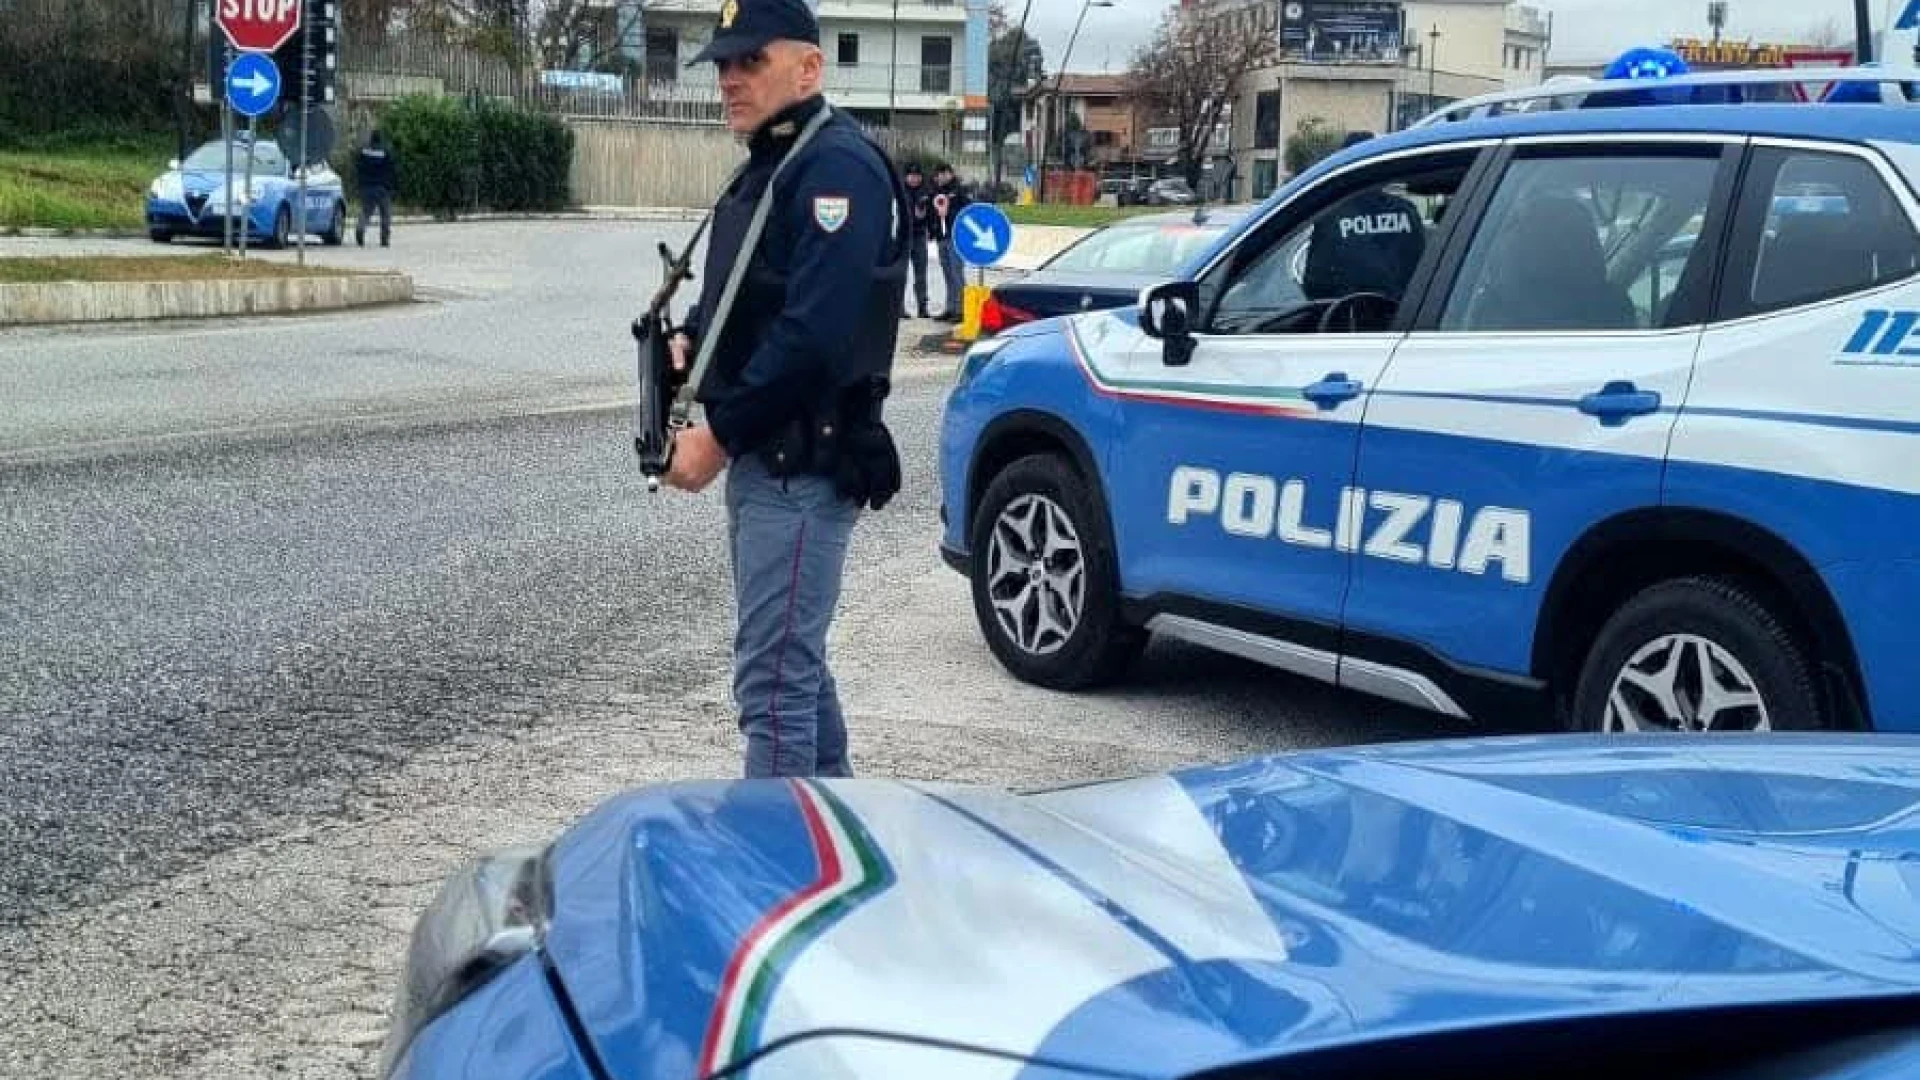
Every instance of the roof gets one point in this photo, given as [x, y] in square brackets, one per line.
[1072, 85]
[1846, 123]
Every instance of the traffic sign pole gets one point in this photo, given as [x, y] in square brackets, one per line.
[306, 75]
[246, 192]
[226, 133]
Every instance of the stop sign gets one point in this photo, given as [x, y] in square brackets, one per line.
[259, 25]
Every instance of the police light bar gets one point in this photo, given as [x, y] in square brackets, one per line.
[1893, 86]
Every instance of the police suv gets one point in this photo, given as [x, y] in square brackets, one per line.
[1568, 402]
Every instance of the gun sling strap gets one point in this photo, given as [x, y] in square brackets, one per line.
[683, 401]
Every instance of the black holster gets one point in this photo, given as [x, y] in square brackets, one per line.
[846, 441]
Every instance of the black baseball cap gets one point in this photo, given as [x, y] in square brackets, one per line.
[747, 26]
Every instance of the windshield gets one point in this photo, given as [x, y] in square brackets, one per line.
[1157, 248]
[213, 157]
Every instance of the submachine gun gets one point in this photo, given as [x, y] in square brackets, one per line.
[654, 417]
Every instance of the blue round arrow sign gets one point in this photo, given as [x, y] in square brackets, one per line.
[253, 84]
[982, 235]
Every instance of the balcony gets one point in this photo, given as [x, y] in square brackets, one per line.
[918, 11]
[914, 87]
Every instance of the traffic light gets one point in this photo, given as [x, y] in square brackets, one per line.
[321, 30]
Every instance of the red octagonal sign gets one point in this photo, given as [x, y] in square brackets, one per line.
[259, 25]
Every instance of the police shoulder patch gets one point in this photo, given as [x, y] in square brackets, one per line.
[831, 211]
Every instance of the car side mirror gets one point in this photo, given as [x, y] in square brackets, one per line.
[1168, 312]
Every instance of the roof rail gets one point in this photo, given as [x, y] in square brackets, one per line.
[1896, 86]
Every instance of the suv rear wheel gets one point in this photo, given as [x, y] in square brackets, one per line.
[1045, 579]
[1696, 655]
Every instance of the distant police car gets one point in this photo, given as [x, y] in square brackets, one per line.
[1624, 429]
[192, 197]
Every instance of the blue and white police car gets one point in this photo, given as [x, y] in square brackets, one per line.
[193, 197]
[1596, 401]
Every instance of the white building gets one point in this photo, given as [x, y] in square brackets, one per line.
[920, 65]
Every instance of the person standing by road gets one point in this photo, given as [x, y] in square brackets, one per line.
[378, 173]
[921, 199]
[794, 332]
[949, 198]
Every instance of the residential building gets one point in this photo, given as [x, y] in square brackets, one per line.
[917, 65]
[1084, 121]
[1367, 65]
[1529, 40]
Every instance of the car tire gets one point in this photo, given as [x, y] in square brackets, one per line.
[336, 233]
[1661, 649]
[160, 236]
[282, 228]
[1058, 626]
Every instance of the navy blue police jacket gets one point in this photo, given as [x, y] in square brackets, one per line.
[818, 310]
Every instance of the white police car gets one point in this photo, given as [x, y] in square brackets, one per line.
[193, 197]
[1625, 430]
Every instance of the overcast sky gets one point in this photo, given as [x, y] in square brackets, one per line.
[1583, 29]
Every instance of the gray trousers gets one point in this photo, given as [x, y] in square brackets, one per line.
[952, 271]
[788, 542]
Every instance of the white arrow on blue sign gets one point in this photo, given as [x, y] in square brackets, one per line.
[982, 235]
[253, 84]
[1911, 19]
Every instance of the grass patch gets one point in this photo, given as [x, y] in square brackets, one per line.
[130, 268]
[99, 186]
[1083, 217]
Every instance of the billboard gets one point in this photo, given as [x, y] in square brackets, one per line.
[1337, 31]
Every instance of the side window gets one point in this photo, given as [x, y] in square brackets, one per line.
[1586, 243]
[1813, 226]
[1346, 266]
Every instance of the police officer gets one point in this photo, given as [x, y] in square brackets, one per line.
[378, 173]
[800, 360]
[1372, 242]
[921, 199]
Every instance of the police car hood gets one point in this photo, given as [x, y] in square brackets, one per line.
[1172, 923]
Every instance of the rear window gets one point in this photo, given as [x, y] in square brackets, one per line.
[1814, 226]
[1158, 248]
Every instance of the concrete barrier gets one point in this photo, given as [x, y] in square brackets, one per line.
[1035, 244]
[71, 301]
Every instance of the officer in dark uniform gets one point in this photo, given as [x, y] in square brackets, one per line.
[1370, 243]
[378, 173]
[800, 357]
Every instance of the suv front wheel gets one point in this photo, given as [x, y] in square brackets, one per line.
[1045, 578]
[1696, 655]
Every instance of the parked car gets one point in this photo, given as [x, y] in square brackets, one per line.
[1612, 416]
[1108, 267]
[1744, 908]
[193, 198]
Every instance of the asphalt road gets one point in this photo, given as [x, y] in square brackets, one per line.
[300, 612]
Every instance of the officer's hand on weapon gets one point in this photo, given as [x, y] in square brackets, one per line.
[680, 345]
[697, 459]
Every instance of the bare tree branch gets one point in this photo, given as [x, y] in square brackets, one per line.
[1190, 69]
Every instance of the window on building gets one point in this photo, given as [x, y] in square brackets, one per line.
[936, 65]
[849, 49]
[663, 54]
[1266, 120]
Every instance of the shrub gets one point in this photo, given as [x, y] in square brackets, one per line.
[457, 156]
[1312, 141]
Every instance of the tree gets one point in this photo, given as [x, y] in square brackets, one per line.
[1014, 62]
[1311, 141]
[1190, 69]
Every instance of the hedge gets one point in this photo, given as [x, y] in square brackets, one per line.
[458, 156]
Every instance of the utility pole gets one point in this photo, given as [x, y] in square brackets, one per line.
[1863, 33]
[993, 112]
[893, 64]
[1433, 60]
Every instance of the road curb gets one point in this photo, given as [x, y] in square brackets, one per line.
[82, 302]
[591, 213]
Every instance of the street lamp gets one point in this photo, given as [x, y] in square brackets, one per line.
[1059, 80]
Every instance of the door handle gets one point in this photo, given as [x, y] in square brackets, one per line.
[1618, 402]
[1332, 390]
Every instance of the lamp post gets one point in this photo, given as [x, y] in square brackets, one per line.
[1433, 61]
[893, 64]
[1059, 79]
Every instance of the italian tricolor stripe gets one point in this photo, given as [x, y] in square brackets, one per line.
[1220, 397]
[851, 870]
